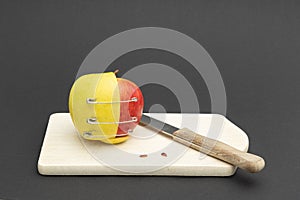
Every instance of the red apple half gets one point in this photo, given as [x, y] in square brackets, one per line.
[134, 109]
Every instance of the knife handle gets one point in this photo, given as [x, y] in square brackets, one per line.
[247, 161]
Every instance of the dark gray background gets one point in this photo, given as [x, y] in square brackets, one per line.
[255, 44]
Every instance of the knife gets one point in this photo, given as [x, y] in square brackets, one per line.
[246, 161]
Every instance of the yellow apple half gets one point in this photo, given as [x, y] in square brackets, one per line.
[104, 88]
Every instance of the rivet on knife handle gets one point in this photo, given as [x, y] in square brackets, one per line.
[247, 161]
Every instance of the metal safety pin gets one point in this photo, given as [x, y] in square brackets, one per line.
[94, 121]
[94, 101]
[90, 135]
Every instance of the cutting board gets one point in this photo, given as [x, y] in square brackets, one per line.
[64, 152]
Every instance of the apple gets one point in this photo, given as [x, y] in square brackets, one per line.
[128, 90]
[96, 121]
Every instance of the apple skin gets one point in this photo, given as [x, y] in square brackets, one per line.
[128, 90]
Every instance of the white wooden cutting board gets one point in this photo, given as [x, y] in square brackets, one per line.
[64, 152]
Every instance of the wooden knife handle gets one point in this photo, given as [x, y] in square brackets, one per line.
[247, 161]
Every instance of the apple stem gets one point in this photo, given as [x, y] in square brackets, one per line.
[116, 71]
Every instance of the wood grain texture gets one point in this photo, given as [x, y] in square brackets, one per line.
[64, 152]
[247, 161]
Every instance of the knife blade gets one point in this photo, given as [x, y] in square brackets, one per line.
[246, 161]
